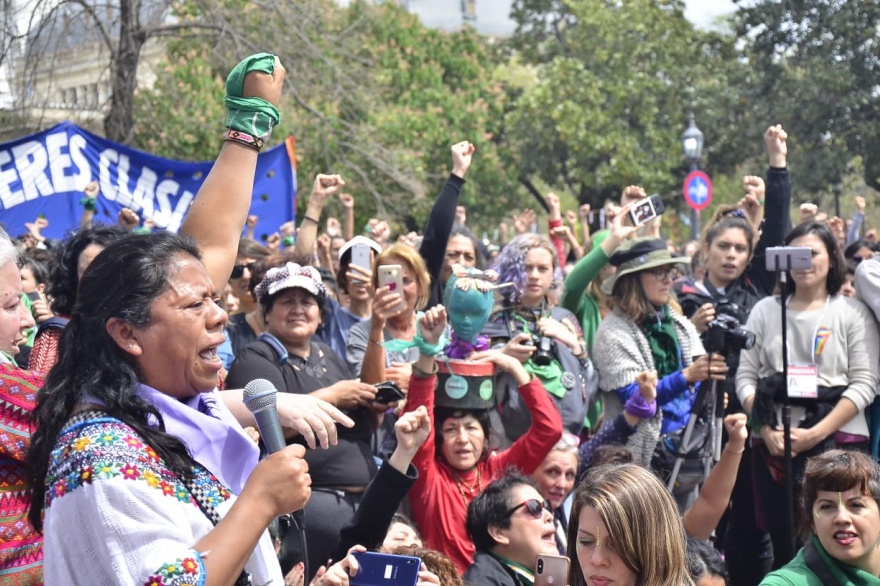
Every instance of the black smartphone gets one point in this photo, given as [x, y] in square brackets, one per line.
[33, 295]
[388, 392]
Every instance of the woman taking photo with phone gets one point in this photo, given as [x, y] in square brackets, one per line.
[395, 307]
[626, 530]
[832, 355]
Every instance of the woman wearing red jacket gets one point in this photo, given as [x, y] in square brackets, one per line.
[456, 462]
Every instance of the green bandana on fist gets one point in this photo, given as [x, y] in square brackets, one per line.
[254, 116]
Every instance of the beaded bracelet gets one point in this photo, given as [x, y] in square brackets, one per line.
[244, 138]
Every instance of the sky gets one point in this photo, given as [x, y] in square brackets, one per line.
[703, 12]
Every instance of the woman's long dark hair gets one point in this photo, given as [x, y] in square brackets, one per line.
[63, 276]
[122, 282]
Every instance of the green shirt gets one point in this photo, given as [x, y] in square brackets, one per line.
[797, 573]
[575, 297]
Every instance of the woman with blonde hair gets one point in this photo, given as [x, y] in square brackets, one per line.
[394, 318]
[626, 530]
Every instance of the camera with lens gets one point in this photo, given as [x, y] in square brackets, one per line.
[543, 355]
[726, 334]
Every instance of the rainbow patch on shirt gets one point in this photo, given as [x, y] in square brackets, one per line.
[822, 336]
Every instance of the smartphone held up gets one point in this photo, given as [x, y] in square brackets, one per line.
[646, 210]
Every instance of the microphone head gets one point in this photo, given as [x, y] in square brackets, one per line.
[260, 394]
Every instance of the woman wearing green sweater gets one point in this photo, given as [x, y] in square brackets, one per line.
[840, 520]
[582, 294]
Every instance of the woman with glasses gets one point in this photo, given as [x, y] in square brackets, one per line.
[457, 461]
[248, 323]
[510, 524]
[833, 350]
[646, 333]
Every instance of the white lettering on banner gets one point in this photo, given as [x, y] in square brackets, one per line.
[59, 162]
[108, 190]
[148, 200]
[144, 193]
[7, 196]
[31, 161]
[61, 166]
[29, 167]
[77, 146]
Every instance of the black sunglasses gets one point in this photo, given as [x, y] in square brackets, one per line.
[534, 507]
[238, 270]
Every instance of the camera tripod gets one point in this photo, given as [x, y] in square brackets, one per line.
[714, 395]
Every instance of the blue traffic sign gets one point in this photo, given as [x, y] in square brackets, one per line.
[697, 190]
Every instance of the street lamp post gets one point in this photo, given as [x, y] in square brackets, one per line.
[837, 188]
[692, 143]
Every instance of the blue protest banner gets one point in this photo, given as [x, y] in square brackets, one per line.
[45, 173]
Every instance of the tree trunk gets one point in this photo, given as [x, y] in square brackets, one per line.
[119, 123]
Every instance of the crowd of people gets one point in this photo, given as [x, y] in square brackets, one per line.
[633, 424]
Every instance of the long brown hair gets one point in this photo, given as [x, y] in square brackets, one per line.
[642, 520]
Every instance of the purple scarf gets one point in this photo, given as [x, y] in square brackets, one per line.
[461, 349]
[210, 432]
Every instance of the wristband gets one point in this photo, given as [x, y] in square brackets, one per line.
[637, 406]
[424, 347]
[311, 219]
[288, 241]
[422, 374]
[253, 116]
[89, 203]
[244, 138]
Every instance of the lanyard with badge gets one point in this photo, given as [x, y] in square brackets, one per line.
[803, 379]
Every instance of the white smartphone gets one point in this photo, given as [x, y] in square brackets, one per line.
[392, 276]
[360, 256]
[789, 258]
[552, 570]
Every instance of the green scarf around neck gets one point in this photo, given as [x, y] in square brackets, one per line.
[660, 331]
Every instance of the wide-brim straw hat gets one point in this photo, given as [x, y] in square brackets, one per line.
[639, 255]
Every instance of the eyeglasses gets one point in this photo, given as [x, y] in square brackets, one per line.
[533, 507]
[667, 272]
[238, 270]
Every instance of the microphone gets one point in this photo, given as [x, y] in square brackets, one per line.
[261, 399]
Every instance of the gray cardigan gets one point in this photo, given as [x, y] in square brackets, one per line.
[620, 352]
